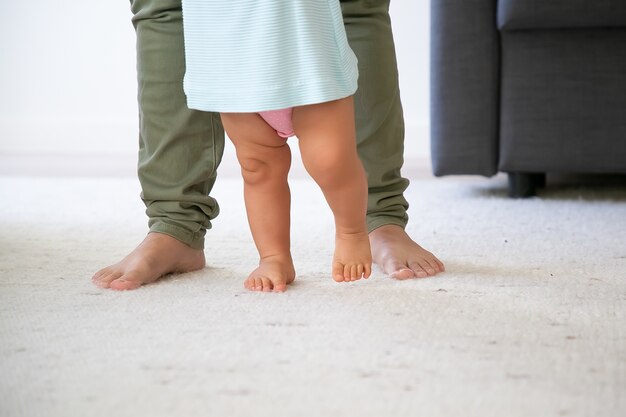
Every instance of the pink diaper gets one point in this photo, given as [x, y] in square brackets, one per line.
[280, 120]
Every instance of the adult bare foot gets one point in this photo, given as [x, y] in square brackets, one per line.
[399, 256]
[156, 256]
[273, 274]
[353, 257]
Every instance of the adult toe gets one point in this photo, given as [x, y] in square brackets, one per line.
[105, 279]
[398, 270]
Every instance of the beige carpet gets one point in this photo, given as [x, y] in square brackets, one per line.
[529, 319]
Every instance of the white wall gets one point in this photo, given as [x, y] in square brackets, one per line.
[411, 26]
[69, 92]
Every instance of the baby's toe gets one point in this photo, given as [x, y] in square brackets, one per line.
[267, 284]
[367, 271]
[347, 273]
[338, 272]
[248, 283]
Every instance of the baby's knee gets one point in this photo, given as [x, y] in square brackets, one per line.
[257, 171]
[254, 171]
[328, 166]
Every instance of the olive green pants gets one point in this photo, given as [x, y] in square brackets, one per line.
[180, 149]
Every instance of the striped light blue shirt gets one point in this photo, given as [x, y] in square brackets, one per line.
[257, 55]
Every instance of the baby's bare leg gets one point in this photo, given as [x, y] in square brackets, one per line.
[265, 159]
[328, 146]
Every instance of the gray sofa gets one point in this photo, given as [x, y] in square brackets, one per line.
[528, 87]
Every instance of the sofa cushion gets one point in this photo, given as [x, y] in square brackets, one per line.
[560, 14]
[562, 101]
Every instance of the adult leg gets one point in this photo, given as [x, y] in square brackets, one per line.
[328, 147]
[265, 159]
[380, 139]
[179, 150]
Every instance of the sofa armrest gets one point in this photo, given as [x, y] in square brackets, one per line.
[465, 60]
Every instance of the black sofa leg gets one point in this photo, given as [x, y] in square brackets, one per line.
[524, 184]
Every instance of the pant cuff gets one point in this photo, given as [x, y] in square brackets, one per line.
[379, 221]
[195, 240]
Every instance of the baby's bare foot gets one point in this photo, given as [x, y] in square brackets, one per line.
[273, 274]
[399, 256]
[353, 257]
[156, 256]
